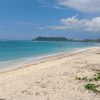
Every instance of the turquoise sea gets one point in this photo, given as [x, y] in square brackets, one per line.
[15, 51]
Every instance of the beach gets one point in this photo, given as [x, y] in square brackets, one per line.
[53, 78]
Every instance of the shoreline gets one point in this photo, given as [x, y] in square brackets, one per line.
[46, 58]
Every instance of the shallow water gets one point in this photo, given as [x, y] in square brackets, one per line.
[13, 52]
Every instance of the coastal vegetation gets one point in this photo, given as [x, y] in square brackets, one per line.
[64, 39]
[91, 87]
[91, 83]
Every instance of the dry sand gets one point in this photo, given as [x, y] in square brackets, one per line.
[52, 78]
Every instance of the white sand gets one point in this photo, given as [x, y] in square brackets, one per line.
[52, 78]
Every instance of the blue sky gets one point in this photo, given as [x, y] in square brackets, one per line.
[26, 19]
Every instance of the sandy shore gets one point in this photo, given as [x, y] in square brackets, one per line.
[53, 78]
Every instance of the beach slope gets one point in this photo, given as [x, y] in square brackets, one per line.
[53, 78]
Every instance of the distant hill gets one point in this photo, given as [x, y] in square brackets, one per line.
[64, 39]
[52, 39]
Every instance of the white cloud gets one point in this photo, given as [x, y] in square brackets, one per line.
[74, 23]
[94, 24]
[81, 5]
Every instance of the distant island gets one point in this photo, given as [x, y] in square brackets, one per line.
[64, 39]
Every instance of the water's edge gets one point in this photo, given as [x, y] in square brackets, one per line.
[45, 58]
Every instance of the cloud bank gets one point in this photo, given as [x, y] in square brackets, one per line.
[91, 6]
[73, 23]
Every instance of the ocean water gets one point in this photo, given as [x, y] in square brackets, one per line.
[14, 52]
